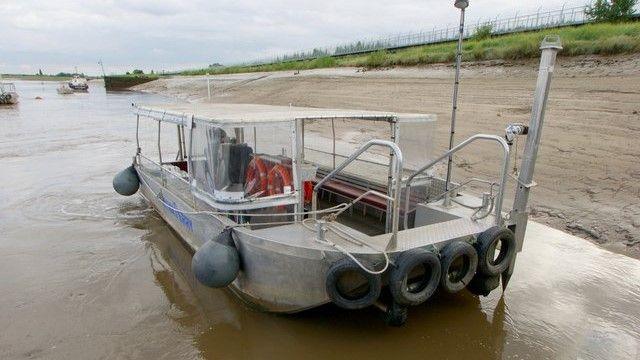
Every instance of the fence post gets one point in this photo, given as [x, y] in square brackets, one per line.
[208, 88]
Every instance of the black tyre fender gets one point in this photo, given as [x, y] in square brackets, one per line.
[486, 246]
[341, 267]
[399, 277]
[483, 285]
[453, 283]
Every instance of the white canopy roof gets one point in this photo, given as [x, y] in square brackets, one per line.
[242, 114]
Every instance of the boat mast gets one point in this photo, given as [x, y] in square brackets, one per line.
[102, 67]
[550, 47]
[462, 5]
[519, 216]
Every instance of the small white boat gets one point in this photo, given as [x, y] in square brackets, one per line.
[78, 83]
[64, 88]
[8, 94]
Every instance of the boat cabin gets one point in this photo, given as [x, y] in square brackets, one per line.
[7, 87]
[268, 159]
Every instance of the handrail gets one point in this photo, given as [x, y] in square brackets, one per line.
[396, 168]
[354, 201]
[503, 174]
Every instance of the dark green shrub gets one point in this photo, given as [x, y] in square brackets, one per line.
[483, 32]
[611, 10]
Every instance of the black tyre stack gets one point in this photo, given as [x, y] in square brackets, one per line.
[417, 273]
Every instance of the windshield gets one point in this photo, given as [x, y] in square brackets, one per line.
[242, 163]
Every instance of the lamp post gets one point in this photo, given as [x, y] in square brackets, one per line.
[462, 5]
[208, 87]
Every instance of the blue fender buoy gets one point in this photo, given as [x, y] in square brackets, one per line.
[217, 263]
[126, 182]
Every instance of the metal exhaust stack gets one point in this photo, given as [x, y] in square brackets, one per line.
[462, 5]
[550, 47]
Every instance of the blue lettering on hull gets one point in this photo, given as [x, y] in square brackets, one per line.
[171, 207]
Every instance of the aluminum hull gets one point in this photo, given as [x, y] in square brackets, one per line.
[274, 277]
[283, 268]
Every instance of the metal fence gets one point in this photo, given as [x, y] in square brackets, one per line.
[541, 20]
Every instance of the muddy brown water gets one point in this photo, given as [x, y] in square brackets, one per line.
[87, 274]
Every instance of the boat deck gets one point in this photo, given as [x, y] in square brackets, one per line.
[437, 234]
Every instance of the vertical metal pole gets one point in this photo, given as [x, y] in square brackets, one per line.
[255, 140]
[239, 132]
[138, 134]
[333, 131]
[208, 88]
[102, 67]
[550, 47]
[159, 148]
[302, 138]
[390, 178]
[455, 101]
[180, 153]
[162, 178]
[190, 168]
[297, 166]
[184, 141]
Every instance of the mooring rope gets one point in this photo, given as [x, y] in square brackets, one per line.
[346, 252]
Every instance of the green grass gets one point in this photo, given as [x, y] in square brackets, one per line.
[35, 77]
[602, 39]
[134, 76]
[323, 62]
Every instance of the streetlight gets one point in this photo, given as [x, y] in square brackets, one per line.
[462, 5]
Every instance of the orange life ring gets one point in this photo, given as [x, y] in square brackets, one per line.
[255, 177]
[281, 174]
[308, 191]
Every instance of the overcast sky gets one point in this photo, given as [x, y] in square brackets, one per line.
[172, 34]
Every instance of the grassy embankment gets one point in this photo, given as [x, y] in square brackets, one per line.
[602, 39]
[35, 77]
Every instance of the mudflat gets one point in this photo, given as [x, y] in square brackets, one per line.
[588, 171]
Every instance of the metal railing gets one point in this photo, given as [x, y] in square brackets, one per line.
[503, 173]
[566, 16]
[394, 203]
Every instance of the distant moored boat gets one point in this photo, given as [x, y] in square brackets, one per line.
[8, 94]
[78, 83]
[64, 88]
